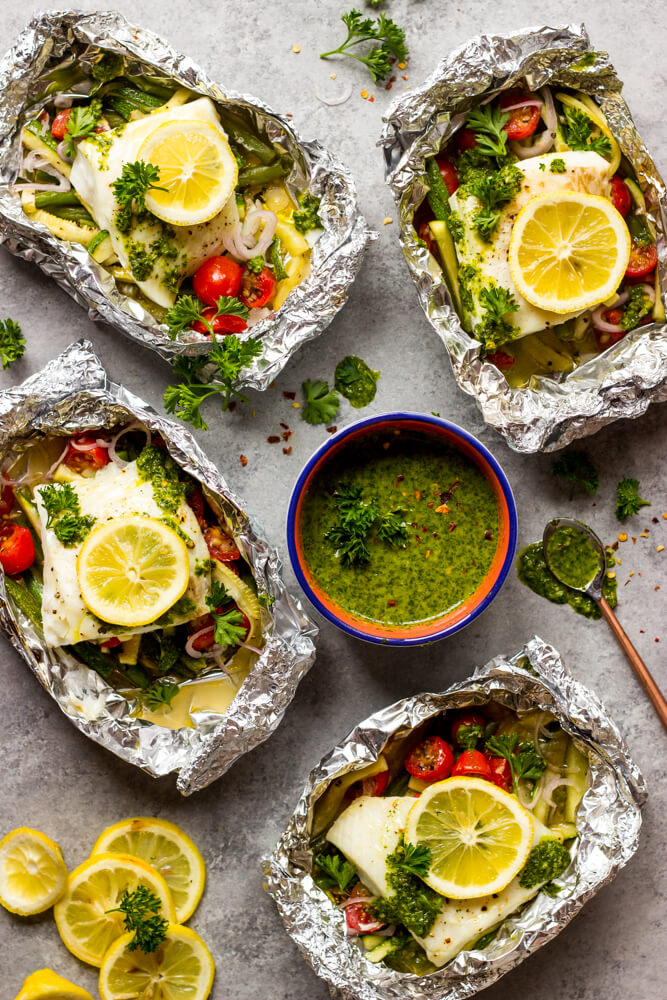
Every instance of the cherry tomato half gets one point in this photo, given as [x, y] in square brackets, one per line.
[466, 139]
[375, 785]
[431, 760]
[206, 627]
[501, 360]
[448, 173]
[6, 499]
[424, 234]
[522, 121]
[468, 727]
[605, 339]
[472, 763]
[111, 643]
[215, 277]
[357, 916]
[17, 549]
[83, 454]
[620, 195]
[220, 324]
[59, 125]
[501, 772]
[257, 289]
[642, 260]
[220, 545]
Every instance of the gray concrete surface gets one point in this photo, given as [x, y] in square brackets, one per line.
[54, 779]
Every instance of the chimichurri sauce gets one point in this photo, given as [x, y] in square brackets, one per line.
[452, 524]
[532, 570]
[572, 558]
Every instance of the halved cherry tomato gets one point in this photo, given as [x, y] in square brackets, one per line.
[620, 195]
[467, 725]
[357, 916]
[206, 639]
[424, 234]
[215, 277]
[220, 324]
[17, 549]
[111, 643]
[59, 126]
[522, 121]
[220, 545]
[6, 499]
[196, 502]
[472, 763]
[374, 785]
[466, 139]
[642, 260]
[605, 340]
[257, 289]
[83, 454]
[501, 360]
[501, 772]
[431, 760]
[448, 173]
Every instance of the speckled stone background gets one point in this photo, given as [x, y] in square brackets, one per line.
[54, 779]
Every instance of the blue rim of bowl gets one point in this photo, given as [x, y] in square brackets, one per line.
[384, 418]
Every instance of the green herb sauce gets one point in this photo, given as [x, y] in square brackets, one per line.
[452, 520]
[532, 570]
[356, 381]
[411, 903]
[156, 467]
[572, 558]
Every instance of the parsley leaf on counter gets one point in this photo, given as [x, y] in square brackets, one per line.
[131, 188]
[12, 344]
[364, 29]
[628, 501]
[577, 468]
[141, 914]
[321, 403]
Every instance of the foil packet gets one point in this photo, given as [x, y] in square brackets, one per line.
[73, 394]
[622, 381]
[52, 36]
[608, 820]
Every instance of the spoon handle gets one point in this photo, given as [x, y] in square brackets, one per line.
[645, 677]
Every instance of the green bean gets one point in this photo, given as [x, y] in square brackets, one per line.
[49, 199]
[250, 176]
[239, 133]
[97, 240]
[25, 601]
[438, 195]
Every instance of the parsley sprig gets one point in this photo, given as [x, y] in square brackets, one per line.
[188, 310]
[415, 859]
[158, 694]
[383, 30]
[229, 356]
[576, 468]
[494, 329]
[321, 403]
[82, 122]
[12, 343]
[141, 914]
[579, 128]
[131, 188]
[628, 500]
[217, 596]
[488, 124]
[63, 514]
[229, 628]
[356, 517]
[523, 758]
[494, 190]
[334, 872]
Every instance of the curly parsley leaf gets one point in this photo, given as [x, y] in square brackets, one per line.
[321, 404]
[335, 872]
[392, 528]
[12, 343]
[131, 188]
[415, 859]
[82, 122]
[628, 501]
[158, 694]
[141, 914]
[576, 468]
[382, 30]
[230, 629]
[306, 218]
[488, 124]
[63, 513]
[494, 329]
[217, 596]
[523, 758]
[188, 310]
[578, 133]
[494, 190]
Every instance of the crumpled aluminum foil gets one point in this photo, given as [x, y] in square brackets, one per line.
[49, 38]
[608, 820]
[623, 380]
[72, 394]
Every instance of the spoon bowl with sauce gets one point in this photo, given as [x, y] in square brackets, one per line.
[575, 555]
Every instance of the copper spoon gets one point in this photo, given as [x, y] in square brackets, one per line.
[594, 590]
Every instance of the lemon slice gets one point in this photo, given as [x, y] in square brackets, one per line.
[131, 570]
[479, 836]
[197, 168]
[568, 251]
[168, 849]
[182, 967]
[45, 984]
[82, 916]
[32, 872]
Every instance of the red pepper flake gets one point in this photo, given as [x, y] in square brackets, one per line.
[391, 604]
[656, 588]
[642, 631]
[614, 545]
[273, 439]
[435, 534]
[442, 509]
[654, 520]
[452, 526]
[656, 639]
[232, 406]
[243, 460]
[285, 427]
[287, 451]
[332, 429]
[488, 535]
[417, 538]
[430, 504]
[403, 77]
[414, 524]
[286, 435]
[418, 495]
[424, 528]
[634, 541]
[289, 395]
[371, 99]
[449, 492]
[399, 478]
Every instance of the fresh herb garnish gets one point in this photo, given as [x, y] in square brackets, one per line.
[229, 355]
[576, 468]
[493, 329]
[494, 190]
[547, 860]
[305, 218]
[628, 501]
[335, 872]
[579, 128]
[557, 166]
[415, 859]
[229, 628]
[321, 404]
[131, 188]
[392, 528]
[356, 517]
[639, 304]
[356, 381]
[12, 343]
[82, 122]
[488, 124]
[411, 903]
[523, 758]
[158, 694]
[141, 914]
[377, 59]
[218, 595]
[188, 310]
[63, 511]
[255, 264]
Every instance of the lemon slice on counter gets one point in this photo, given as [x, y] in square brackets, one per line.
[182, 966]
[166, 848]
[479, 836]
[45, 984]
[83, 917]
[197, 168]
[32, 872]
[568, 251]
[131, 570]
